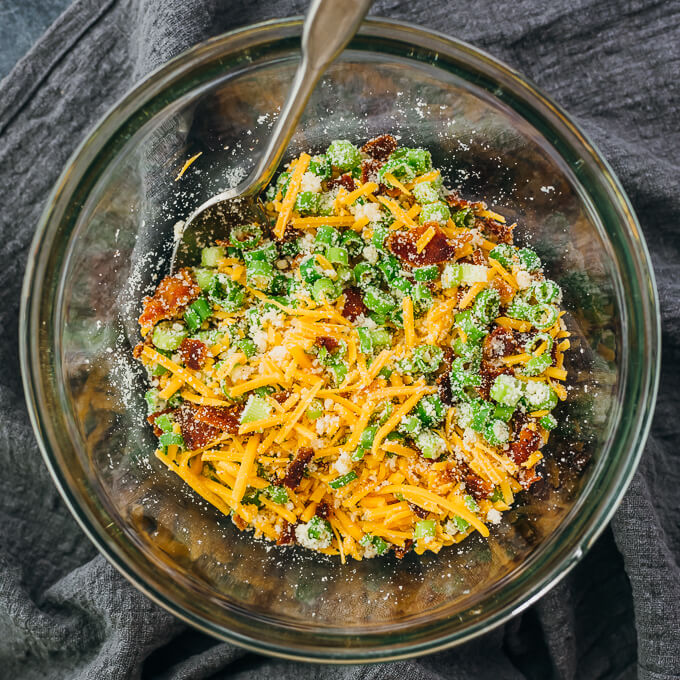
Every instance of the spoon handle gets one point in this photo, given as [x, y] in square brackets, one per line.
[329, 26]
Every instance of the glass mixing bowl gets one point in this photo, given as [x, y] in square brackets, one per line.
[105, 238]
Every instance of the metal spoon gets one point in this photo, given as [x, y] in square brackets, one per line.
[329, 26]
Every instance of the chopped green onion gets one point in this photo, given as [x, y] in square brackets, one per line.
[314, 410]
[310, 270]
[410, 425]
[505, 413]
[390, 267]
[260, 274]
[496, 432]
[504, 254]
[534, 343]
[540, 396]
[247, 346]
[425, 192]
[211, 256]
[170, 439]
[324, 289]
[460, 524]
[536, 365]
[203, 277]
[367, 437]
[153, 402]
[380, 546]
[337, 255]
[463, 218]
[470, 503]
[506, 390]
[164, 422]
[543, 316]
[277, 494]
[343, 155]
[529, 260]
[245, 236]
[319, 530]
[431, 410]
[378, 301]
[339, 482]
[497, 495]
[352, 241]
[452, 276]
[545, 291]
[319, 166]
[548, 422]
[307, 203]
[422, 297]
[437, 212]
[431, 445]
[428, 273]
[473, 273]
[487, 305]
[426, 528]
[267, 252]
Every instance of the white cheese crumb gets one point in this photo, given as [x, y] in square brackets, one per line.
[493, 516]
[523, 279]
[343, 464]
[370, 253]
[278, 353]
[310, 182]
[260, 340]
[370, 210]
[241, 373]
[303, 538]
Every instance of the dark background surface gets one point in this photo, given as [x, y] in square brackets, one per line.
[22, 22]
[64, 613]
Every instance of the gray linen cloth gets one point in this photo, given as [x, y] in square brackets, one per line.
[65, 613]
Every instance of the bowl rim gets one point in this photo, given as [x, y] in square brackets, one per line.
[388, 29]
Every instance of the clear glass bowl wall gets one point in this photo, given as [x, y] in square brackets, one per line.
[105, 238]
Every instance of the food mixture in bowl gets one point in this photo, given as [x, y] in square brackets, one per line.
[374, 369]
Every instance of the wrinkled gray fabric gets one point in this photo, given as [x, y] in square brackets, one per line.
[65, 613]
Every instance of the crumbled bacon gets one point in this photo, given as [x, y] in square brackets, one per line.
[500, 233]
[322, 510]
[489, 372]
[354, 305]
[505, 290]
[501, 342]
[201, 424]
[528, 477]
[440, 248]
[369, 171]
[417, 510]
[193, 353]
[478, 257]
[527, 442]
[400, 552]
[345, 180]
[171, 296]
[281, 397]
[478, 488]
[444, 390]
[329, 343]
[456, 202]
[239, 521]
[296, 468]
[287, 535]
[381, 147]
